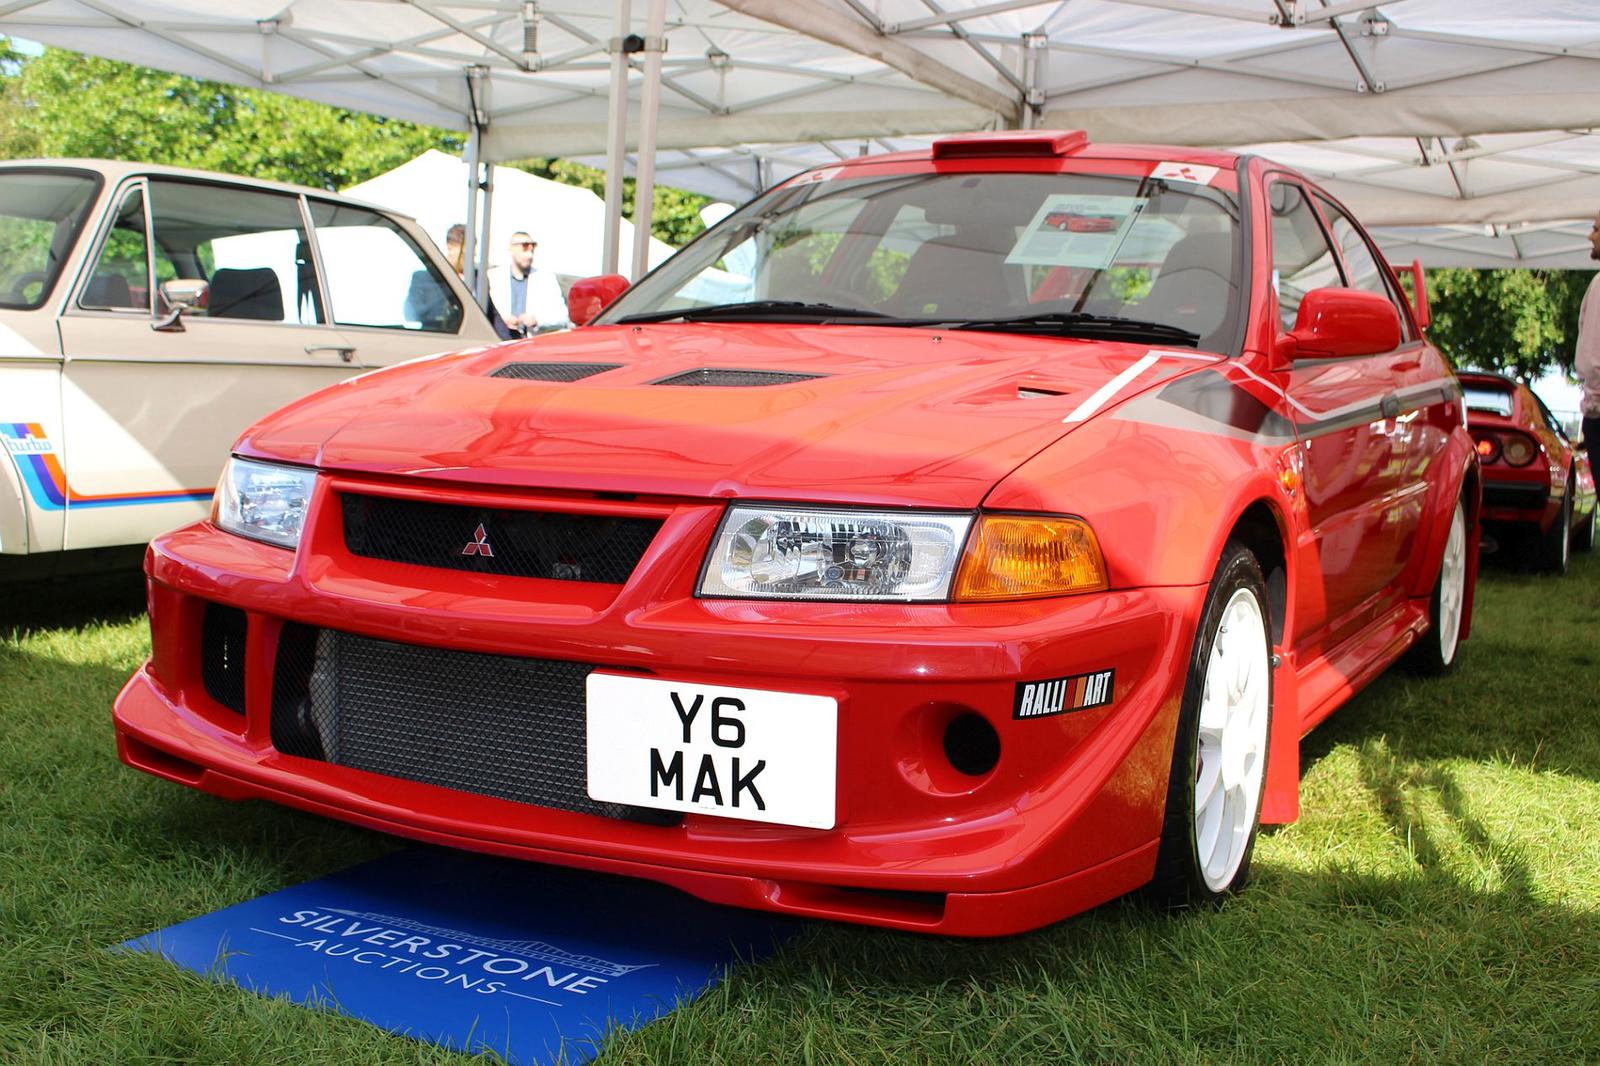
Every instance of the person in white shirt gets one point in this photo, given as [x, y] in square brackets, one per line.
[528, 300]
[1588, 361]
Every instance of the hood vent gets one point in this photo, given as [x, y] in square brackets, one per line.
[552, 371]
[722, 377]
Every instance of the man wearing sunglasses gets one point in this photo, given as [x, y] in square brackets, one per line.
[528, 300]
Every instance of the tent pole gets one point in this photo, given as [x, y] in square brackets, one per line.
[469, 245]
[617, 131]
[644, 183]
[481, 289]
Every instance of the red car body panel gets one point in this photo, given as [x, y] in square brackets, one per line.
[1349, 470]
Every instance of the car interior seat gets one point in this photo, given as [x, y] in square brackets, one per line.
[108, 290]
[252, 292]
[962, 274]
[1195, 287]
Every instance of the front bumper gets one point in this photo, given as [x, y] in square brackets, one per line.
[1068, 818]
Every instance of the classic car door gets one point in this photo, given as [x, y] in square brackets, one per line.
[150, 413]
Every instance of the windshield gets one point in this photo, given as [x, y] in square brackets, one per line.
[951, 248]
[1487, 398]
[41, 214]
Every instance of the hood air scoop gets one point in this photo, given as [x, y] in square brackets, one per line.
[552, 371]
[724, 377]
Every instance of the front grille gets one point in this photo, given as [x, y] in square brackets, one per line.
[729, 378]
[222, 632]
[564, 547]
[552, 371]
[492, 725]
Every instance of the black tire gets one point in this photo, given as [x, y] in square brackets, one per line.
[1555, 544]
[1180, 877]
[1436, 651]
[1583, 536]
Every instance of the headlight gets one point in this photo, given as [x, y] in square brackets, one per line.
[264, 501]
[797, 553]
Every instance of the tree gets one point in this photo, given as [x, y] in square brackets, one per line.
[1523, 322]
[65, 104]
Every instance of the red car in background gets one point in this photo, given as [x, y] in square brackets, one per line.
[879, 557]
[1535, 482]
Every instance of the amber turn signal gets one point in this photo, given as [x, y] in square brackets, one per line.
[1014, 557]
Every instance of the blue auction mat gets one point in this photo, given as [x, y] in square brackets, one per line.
[475, 953]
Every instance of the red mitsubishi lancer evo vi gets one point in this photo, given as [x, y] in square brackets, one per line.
[892, 554]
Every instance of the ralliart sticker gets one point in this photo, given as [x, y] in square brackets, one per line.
[1040, 699]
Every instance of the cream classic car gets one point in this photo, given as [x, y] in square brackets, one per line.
[148, 314]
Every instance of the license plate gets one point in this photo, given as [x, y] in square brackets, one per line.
[709, 749]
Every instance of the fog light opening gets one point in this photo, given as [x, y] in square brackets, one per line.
[971, 744]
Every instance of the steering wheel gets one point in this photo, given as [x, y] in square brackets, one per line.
[26, 278]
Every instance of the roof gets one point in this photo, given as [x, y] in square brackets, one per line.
[115, 170]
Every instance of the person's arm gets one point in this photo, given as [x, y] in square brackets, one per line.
[546, 301]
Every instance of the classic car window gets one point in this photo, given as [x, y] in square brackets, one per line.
[248, 247]
[1302, 259]
[120, 280]
[41, 215]
[1487, 398]
[920, 248]
[1549, 419]
[376, 274]
[1362, 262]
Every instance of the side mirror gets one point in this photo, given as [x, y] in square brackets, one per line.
[590, 296]
[1338, 323]
[180, 295]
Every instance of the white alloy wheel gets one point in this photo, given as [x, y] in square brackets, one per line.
[1230, 757]
[1452, 586]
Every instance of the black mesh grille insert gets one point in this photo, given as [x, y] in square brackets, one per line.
[222, 655]
[493, 725]
[566, 547]
[728, 378]
[552, 371]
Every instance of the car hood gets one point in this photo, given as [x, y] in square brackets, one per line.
[882, 414]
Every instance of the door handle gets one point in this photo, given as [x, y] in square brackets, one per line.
[345, 352]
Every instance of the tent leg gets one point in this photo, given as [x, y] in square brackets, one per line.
[469, 244]
[617, 130]
[481, 289]
[644, 185]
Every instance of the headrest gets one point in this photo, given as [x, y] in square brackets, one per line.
[252, 293]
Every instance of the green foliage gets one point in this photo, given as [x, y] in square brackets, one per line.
[64, 104]
[1519, 321]
[674, 213]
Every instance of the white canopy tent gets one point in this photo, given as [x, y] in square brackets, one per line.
[566, 221]
[1457, 80]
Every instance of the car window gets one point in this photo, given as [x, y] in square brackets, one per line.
[1486, 398]
[1361, 262]
[1302, 259]
[247, 246]
[924, 247]
[376, 274]
[120, 280]
[41, 215]
[1549, 419]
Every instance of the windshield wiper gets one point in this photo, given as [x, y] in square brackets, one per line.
[1083, 324]
[757, 310]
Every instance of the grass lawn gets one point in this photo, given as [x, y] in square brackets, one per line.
[1439, 899]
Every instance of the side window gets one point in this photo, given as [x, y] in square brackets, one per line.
[246, 250]
[121, 277]
[1360, 260]
[376, 274]
[1302, 259]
